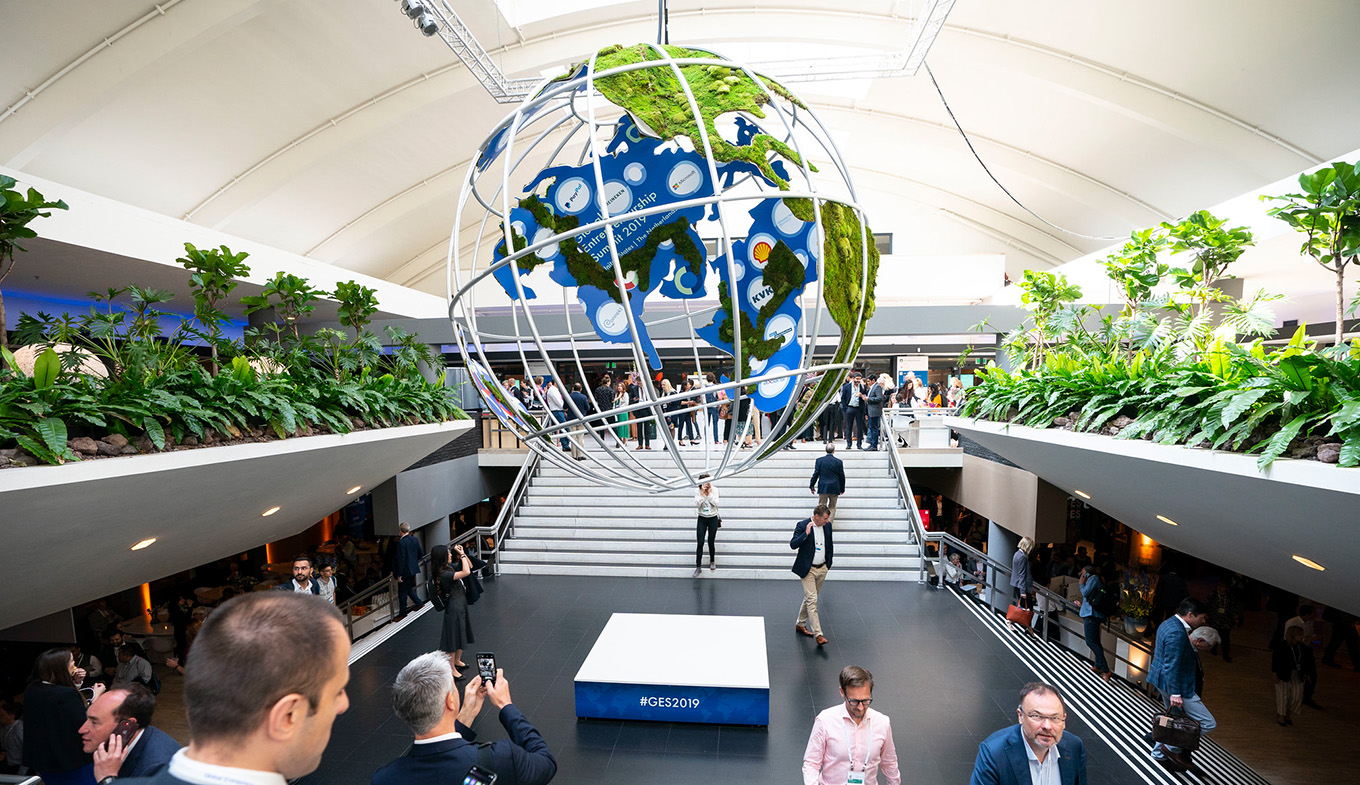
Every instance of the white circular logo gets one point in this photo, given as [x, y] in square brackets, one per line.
[634, 173]
[758, 250]
[573, 196]
[547, 251]
[784, 220]
[758, 366]
[782, 327]
[617, 197]
[611, 318]
[685, 179]
[772, 387]
[758, 293]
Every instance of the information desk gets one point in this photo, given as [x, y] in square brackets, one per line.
[675, 668]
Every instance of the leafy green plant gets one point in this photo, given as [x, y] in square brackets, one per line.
[357, 304]
[17, 211]
[1327, 211]
[213, 275]
[291, 297]
[1135, 605]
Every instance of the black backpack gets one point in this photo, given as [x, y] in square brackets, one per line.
[1107, 602]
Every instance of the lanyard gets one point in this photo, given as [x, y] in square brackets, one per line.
[850, 747]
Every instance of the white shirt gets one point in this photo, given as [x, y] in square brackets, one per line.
[819, 541]
[708, 505]
[1045, 773]
[327, 589]
[1306, 626]
[297, 587]
[553, 396]
[437, 739]
[197, 772]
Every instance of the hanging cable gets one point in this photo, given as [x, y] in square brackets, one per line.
[1003, 188]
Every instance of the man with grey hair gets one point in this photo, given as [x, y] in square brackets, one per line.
[405, 567]
[425, 698]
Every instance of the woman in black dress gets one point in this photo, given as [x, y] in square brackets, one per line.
[54, 710]
[457, 632]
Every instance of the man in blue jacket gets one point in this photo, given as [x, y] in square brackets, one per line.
[147, 751]
[406, 567]
[1034, 750]
[828, 479]
[425, 697]
[1172, 672]
[812, 540]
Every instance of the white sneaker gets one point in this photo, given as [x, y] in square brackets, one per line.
[696, 573]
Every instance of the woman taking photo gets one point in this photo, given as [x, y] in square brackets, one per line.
[54, 710]
[456, 634]
[706, 499]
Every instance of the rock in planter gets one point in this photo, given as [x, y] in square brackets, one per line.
[144, 444]
[116, 439]
[1329, 453]
[84, 445]
[190, 441]
[1304, 451]
[128, 450]
[105, 448]
[1061, 422]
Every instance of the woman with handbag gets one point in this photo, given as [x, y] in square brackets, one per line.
[456, 633]
[1022, 589]
[706, 500]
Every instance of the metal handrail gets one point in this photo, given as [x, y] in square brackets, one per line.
[505, 519]
[997, 569]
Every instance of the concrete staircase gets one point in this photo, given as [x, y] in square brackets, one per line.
[566, 526]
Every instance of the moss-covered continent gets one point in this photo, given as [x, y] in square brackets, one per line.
[584, 268]
[784, 274]
[841, 288]
[656, 99]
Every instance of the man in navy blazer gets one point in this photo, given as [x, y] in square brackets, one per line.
[812, 540]
[302, 577]
[1172, 672]
[406, 566]
[828, 479]
[1029, 751]
[149, 750]
[425, 697]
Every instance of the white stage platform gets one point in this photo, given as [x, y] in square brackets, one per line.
[677, 668]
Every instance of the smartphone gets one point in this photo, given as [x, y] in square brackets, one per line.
[486, 666]
[479, 776]
[126, 729]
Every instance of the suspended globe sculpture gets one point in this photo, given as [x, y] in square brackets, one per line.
[661, 198]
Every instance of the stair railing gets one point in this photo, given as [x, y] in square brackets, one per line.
[505, 520]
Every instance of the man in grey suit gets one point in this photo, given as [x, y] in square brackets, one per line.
[828, 479]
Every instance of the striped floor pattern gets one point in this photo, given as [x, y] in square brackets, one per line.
[1117, 713]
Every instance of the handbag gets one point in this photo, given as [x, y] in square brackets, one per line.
[1018, 615]
[719, 521]
[437, 597]
[1174, 729]
[725, 412]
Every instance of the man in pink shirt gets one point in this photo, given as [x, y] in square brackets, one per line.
[851, 742]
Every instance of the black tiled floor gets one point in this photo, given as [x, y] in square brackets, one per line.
[945, 681]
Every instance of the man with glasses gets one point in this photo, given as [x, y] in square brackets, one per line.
[851, 743]
[1036, 746]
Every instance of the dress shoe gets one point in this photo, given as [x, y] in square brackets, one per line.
[1106, 676]
[821, 640]
[802, 630]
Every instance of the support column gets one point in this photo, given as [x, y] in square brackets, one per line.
[1001, 543]
[435, 533]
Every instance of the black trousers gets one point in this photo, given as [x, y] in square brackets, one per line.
[853, 426]
[709, 525]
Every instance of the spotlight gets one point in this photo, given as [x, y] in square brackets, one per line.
[412, 8]
[426, 24]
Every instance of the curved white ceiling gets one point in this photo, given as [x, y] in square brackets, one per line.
[332, 129]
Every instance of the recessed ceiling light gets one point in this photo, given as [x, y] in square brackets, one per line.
[355, 489]
[1083, 494]
[1308, 562]
[1167, 520]
[270, 512]
[143, 543]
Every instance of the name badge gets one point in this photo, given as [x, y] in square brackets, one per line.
[855, 778]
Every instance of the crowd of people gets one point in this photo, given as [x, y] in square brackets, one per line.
[702, 409]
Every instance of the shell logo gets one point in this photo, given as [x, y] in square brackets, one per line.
[761, 253]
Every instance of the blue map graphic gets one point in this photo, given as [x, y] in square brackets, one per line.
[639, 173]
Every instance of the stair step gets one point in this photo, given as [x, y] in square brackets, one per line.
[729, 533]
[723, 572]
[586, 519]
[731, 546]
[799, 506]
[727, 487]
[774, 560]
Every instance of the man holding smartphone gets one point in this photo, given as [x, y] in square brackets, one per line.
[812, 540]
[425, 697]
[118, 732]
